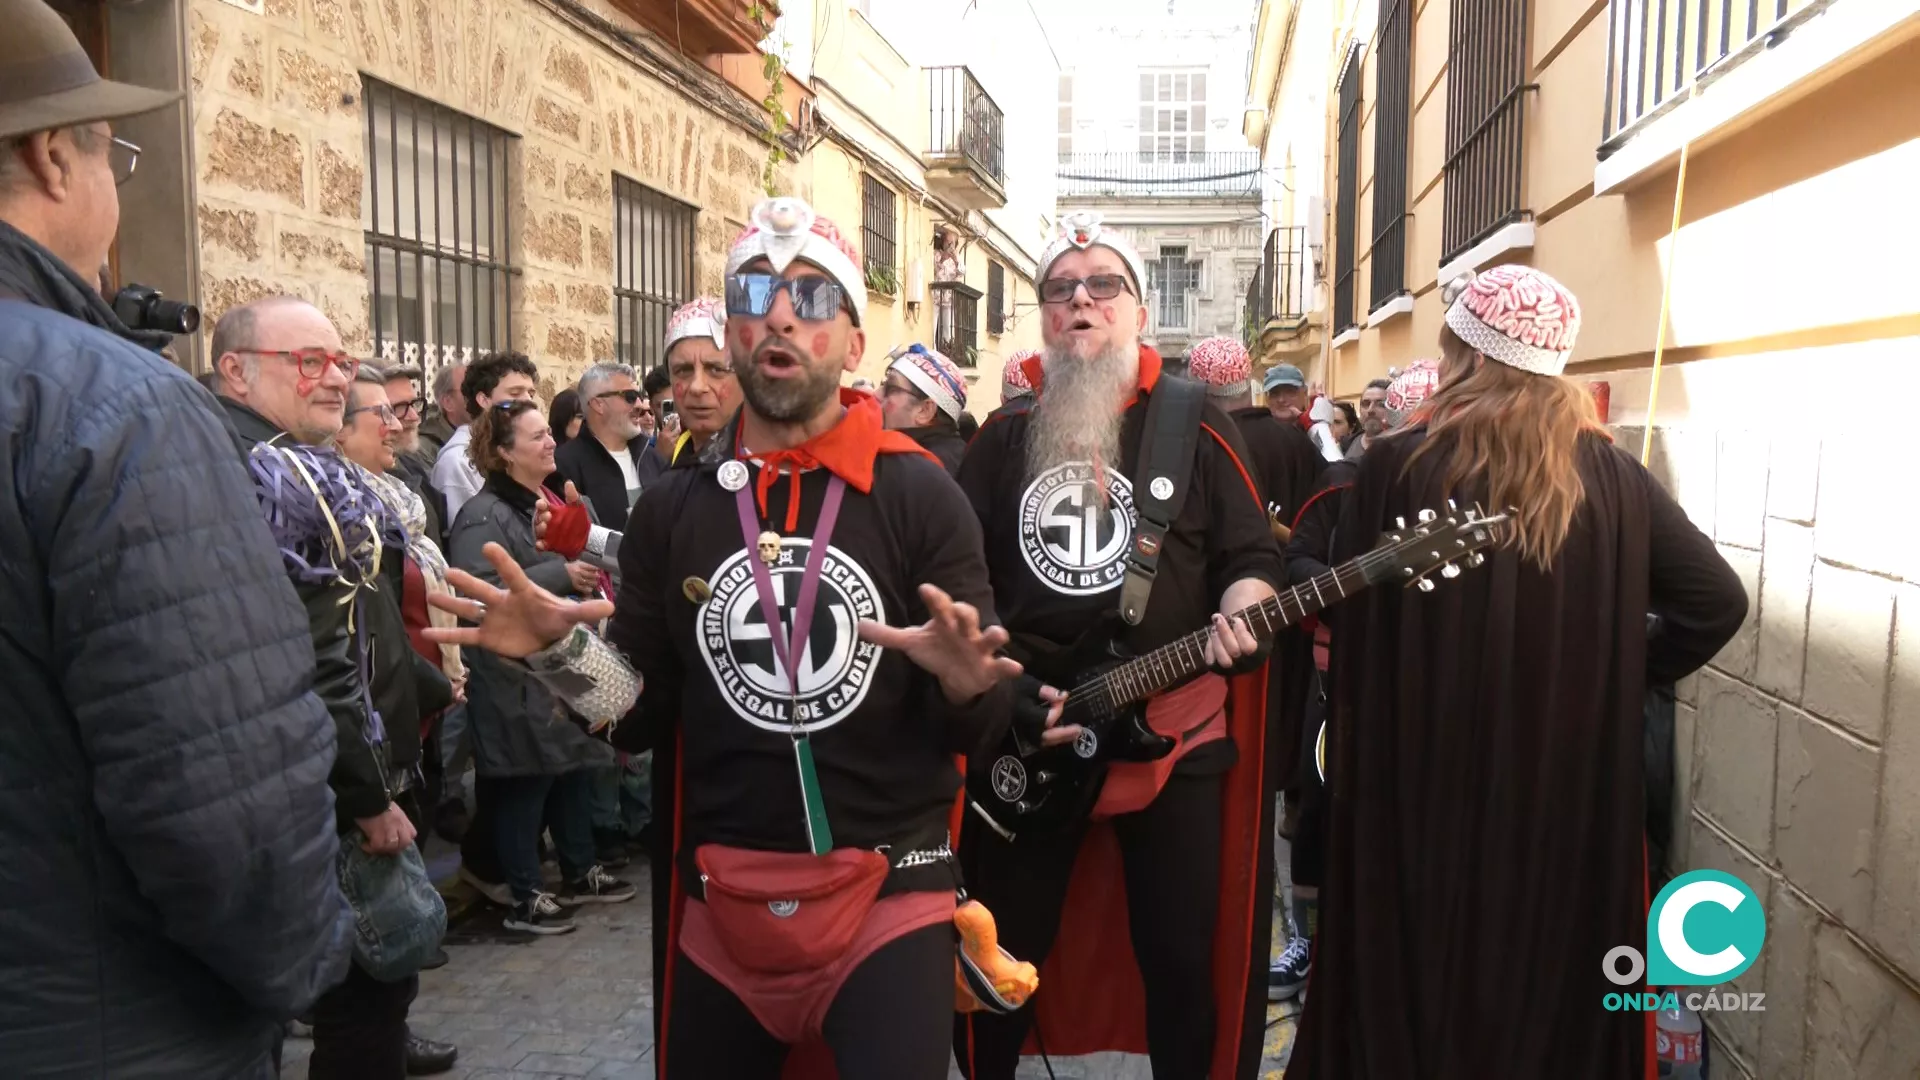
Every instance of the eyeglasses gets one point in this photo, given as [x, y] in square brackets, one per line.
[631, 397]
[815, 298]
[407, 408]
[1099, 286]
[896, 388]
[313, 363]
[123, 157]
[385, 412]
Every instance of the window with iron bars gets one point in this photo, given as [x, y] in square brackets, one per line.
[996, 298]
[1486, 88]
[1173, 276]
[1347, 195]
[957, 337]
[878, 232]
[1393, 66]
[652, 269]
[434, 209]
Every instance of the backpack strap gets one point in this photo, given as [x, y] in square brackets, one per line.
[1163, 474]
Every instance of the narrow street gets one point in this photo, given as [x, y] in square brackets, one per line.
[581, 1005]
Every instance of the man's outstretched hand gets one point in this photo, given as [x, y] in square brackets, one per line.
[950, 645]
[515, 621]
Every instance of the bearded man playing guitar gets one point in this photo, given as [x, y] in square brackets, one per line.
[1169, 855]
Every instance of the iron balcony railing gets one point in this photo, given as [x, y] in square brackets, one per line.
[1150, 174]
[1393, 98]
[1658, 50]
[964, 122]
[1278, 291]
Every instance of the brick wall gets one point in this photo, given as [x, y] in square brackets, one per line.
[280, 154]
[1799, 744]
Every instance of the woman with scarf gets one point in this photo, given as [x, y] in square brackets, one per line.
[525, 745]
[409, 686]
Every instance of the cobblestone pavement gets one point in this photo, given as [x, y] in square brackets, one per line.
[582, 1005]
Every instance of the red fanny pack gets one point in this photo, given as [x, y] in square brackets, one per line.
[780, 912]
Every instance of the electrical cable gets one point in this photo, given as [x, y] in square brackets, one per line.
[1666, 290]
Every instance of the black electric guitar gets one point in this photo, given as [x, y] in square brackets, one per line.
[1031, 788]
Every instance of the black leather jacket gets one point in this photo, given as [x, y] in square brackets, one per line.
[358, 778]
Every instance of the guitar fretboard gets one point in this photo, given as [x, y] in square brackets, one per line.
[1144, 676]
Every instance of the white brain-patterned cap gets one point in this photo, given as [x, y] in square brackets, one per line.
[1519, 316]
[784, 229]
[1083, 229]
[1221, 363]
[701, 317]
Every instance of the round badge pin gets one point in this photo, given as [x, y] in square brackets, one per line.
[733, 475]
[1161, 487]
[696, 591]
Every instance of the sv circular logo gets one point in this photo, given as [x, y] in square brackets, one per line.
[1073, 535]
[834, 666]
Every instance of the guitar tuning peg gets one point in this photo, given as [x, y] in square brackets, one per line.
[1476, 559]
[1399, 523]
[1426, 516]
[1424, 585]
[1449, 571]
[1451, 507]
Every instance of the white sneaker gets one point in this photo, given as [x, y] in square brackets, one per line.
[500, 892]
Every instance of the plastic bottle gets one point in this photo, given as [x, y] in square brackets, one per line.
[1679, 1042]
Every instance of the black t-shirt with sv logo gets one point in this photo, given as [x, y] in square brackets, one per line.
[883, 732]
[1056, 551]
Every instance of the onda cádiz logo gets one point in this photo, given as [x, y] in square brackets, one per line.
[1704, 928]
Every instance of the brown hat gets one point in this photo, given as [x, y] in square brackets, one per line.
[47, 82]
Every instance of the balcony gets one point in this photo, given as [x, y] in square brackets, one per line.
[1657, 53]
[701, 28]
[1150, 175]
[966, 140]
[1278, 327]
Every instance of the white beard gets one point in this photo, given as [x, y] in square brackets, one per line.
[1078, 416]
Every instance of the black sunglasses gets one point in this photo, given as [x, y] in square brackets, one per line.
[1099, 286]
[815, 298]
[630, 396]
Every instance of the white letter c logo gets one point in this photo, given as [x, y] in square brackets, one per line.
[1673, 937]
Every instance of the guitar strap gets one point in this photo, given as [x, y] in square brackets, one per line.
[1166, 466]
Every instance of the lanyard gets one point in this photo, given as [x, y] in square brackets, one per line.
[788, 647]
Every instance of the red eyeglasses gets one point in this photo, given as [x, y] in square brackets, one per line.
[312, 362]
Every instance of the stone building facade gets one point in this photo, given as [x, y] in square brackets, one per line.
[577, 101]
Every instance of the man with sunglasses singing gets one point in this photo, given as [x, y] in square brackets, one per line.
[1057, 480]
[809, 608]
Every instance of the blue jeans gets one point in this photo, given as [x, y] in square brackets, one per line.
[519, 805]
[622, 796]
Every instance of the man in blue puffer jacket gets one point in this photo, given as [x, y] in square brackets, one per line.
[167, 841]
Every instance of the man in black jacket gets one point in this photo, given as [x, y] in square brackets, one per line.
[608, 464]
[284, 378]
[169, 835]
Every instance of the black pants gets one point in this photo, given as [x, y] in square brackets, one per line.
[1171, 855]
[360, 1029]
[890, 1020]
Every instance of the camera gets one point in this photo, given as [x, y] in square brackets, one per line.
[142, 307]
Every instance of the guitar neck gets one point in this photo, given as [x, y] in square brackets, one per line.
[1144, 676]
